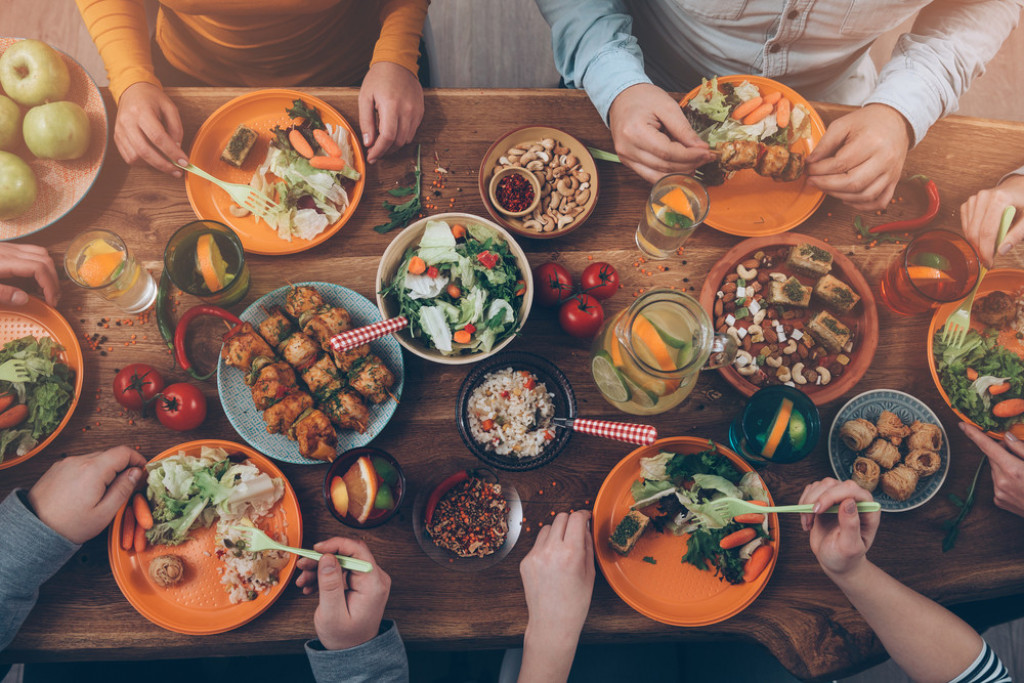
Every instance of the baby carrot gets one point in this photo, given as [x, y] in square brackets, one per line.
[757, 562]
[758, 114]
[972, 374]
[782, 111]
[140, 538]
[13, 417]
[999, 389]
[745, 108]
[772, 98]
[1011, 407]
[453, 290]
[327, 143]
[462, 337]
[142, 514]
[5, 401]
[458, 231]
[300, 144]
[751, 517]
[417, 266]
[738, 538]
[127, 529]
[328, 163]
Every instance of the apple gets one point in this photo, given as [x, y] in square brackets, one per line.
[17, 186]
[58, 130]
[10, 124]
[32, 72]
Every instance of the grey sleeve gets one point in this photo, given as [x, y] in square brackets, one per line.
[32, 553]
[381, 660]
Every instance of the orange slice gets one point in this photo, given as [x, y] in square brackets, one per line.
[677, 200]
[361, 482]
[928, 273]
[211, 264]
[648, 335]
[97, 269]
[339, 496]
[779, 425]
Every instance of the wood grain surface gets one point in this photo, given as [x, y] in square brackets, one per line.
[800, 617]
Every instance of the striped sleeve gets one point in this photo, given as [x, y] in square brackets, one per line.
[987, 668]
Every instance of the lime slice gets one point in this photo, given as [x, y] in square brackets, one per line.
[642, 397]
[672, 341]
[931, 260]
[609, 379]
[385, 470]
[384, 500]
[797, 431]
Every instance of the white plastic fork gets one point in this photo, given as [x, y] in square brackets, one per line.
[258, 540]
[245, 196]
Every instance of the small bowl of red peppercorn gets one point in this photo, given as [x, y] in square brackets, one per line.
[514, 191]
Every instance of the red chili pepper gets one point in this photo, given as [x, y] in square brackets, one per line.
[487, 259]
[438, 493]
[432, 271]
[179, 335]
[932, 191]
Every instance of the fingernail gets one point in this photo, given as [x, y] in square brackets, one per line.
[816, 508]
[366, 139]
[19, 298]
[134, 475]
[849, 507]
[183, 161]
[962, 426]
[330, 568]
[1005, 248]
[1009, 436]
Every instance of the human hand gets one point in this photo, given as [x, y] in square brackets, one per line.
[981, 215]
[839, 541]
[652, 135]
[79, 496]
[148, 128]
[390, 108]
[351, 603]
[27, 260]
[860, 157]
[1007, 460]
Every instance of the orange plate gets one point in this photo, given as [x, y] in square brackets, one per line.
[750, 205]
[200, 606]
[39, 319]
[670, 592]
[1008, 280]
[62, 184]
[261, 111]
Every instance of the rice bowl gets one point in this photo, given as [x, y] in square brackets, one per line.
[510, 412]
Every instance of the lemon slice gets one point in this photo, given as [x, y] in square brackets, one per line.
[642, 397]
[780, 423]
[610, 380]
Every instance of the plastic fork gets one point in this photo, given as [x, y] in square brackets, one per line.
[258, 540]
[244, 195]
[954, 332]
[730, 507]
[14, 370]
[602, 155]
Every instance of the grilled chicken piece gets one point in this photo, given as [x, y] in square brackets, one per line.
[372, 379]
[322, 377]
[346, 359]
[276, 327]
[278, 371]
[738, 154]
[347, 410]
[327, 322]
[267, 392]
[299, 351]
[315, 436]
[794, 168]
[301, 299]
[283, 414]
[773, 162]
[244, 347]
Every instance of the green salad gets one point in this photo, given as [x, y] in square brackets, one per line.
[460, 288]
[47, 393]
[979, 376]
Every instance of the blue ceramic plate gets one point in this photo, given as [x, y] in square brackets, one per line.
[236, 397]
[869, 406]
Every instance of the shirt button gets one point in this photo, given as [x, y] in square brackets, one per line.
[793, 14]
[774, 48]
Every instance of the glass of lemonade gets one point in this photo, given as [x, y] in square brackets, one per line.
[206, 259]
[100, 261]
[646, 358]
[677, 205]
[778, 424]
[937, 267]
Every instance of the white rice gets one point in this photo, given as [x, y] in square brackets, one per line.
[246, 574]
[521, 417]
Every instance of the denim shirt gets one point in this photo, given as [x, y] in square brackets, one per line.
[818, 47]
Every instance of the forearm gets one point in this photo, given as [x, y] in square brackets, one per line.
[121, 34]
[926, 640]
[547, 657]
[400, 33]
[381, 660]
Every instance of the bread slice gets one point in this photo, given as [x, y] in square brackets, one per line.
[239, 145]
[836, 294]
[828, 331]
[628, 532]
[809, 259]
[790, 293]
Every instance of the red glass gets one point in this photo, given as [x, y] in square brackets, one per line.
[937, 267]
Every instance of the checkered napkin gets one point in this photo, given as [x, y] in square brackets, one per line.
[364, 335]
[641, 435]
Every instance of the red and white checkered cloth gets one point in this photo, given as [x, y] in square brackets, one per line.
[641, 435]
[364, 335]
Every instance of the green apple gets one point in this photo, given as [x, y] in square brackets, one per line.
[32, 72]
[18, 186]
[58, 130]
[10, 124]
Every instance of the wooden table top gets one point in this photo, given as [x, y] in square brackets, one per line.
[801, 617]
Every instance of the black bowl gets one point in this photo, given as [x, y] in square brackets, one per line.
[340, 466]
[552, 378]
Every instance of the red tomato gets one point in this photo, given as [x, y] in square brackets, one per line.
[552, 284]
[181, 407]
[600, 280]
[581, 316]
[136, 384]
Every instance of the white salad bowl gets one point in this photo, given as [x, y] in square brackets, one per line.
[393, 257]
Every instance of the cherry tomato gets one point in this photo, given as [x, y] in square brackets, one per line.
[581, 316]
[600, 280]
[181, 407]
[552, 284]
[136, 384]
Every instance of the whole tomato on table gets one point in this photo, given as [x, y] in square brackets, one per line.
[581, 316]
[552, 284]
[600, 280]
[181, 407]
[137, 384]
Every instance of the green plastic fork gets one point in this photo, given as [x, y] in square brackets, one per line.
[730, 507]
[258, 540]
[14, 370]
[245, 196]
[954, 332]
[602, 155]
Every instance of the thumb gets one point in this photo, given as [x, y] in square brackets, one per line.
[119, 491]
[331, 583]
[849, 519]
[367, 117]
[830, 143]
[13, 296]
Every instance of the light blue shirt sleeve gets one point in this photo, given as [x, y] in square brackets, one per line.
[594, 48]
[947, 48]
[381, 660]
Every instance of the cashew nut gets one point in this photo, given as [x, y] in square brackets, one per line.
[560, 150]
[582, 176]
[564, 221]
[553, 201]
[527, 158]
[746, 274]
[756, 334]
[743, 359]
[748, 370]
[548, 144]
[774, 361]
[790, 348]
[559, 171]
[544, 156]
[504, 161]
[798, 374]
[583, 196]
[533, 224]
[824, 376]
[734, 333]
[759, 316]
[535, 165]
[778, 277]
[783, 374]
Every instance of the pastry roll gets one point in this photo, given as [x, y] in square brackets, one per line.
[866, 473]
[924, 462]
[924, 436]
[900, 482]
[858, 434]
[884, 453]
[891, 427]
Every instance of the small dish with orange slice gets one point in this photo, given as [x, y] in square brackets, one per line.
[364, 487]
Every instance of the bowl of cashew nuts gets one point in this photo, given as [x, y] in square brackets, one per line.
[564, 169]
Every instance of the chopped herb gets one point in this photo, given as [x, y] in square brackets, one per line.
[793, 290]
[625, 530]
[399, 215]
[816, 253]
[311, 114]
[650, 560]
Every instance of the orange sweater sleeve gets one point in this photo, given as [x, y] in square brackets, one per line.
[401, 29]
[119, 29]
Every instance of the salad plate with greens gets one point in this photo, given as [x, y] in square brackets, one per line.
[462, 282]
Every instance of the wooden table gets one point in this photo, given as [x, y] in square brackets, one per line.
[800, 617]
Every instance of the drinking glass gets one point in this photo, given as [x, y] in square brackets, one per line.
[205, 259]
[676, 206]
[778, 424]
[937, 267]
[99, 260]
